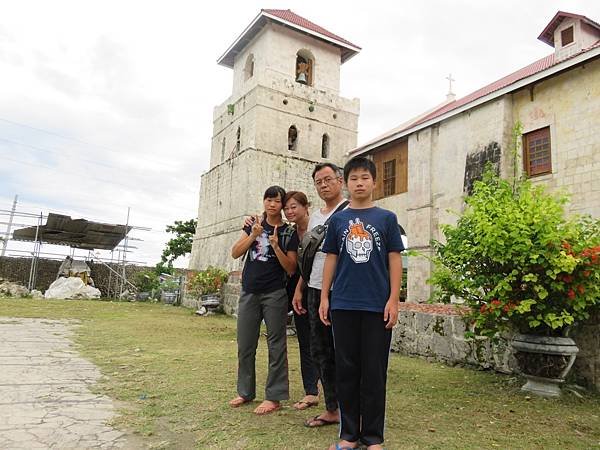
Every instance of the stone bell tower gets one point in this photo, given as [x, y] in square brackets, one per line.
[284, 115]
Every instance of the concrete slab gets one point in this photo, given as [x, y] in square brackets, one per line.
[45, 397]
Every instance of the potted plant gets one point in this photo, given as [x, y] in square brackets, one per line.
[206, 286]
[519, 265]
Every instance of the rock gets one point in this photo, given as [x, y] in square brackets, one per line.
[72, 287]
[11, 289]
[36, 294]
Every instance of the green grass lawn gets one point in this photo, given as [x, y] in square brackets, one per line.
[174, 373]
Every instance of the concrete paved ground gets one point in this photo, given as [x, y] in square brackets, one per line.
[45, 397]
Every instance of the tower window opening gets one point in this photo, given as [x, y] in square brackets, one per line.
[304, 67]
[292, 138]
[325, 146]
[249, 67]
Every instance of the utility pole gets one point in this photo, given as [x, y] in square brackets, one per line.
[10, 221]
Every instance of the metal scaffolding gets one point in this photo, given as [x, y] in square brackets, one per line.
[118, 282]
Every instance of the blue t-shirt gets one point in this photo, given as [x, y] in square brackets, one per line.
[362, 239]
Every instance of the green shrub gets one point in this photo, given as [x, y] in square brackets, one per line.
[517, 261]
[146, 281]
[209, 281]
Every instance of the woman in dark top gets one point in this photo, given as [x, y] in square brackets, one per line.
[270, 246]
[296, 210]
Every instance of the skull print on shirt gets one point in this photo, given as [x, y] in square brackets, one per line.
[359, 242]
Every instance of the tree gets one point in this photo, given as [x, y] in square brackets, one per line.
[181, 244]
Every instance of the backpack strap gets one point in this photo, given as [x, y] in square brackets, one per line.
[286, 236]
[338, 209]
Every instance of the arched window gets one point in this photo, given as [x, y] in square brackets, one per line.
[223, 150]
[325, 146]
[292, 138]
[249, 67]
[238, 140]
[304, 67]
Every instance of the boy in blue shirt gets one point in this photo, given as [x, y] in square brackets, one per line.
[364, 265]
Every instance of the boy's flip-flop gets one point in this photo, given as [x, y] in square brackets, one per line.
[317, 422]
[341, 447]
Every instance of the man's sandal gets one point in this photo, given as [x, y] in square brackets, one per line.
[317, 422]
[305, 404]
[238, 401]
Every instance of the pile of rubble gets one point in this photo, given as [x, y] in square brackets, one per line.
[63, 288]
[12, 289]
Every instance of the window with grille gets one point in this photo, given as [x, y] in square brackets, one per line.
[536, 149]
[389, 177]
[566, 36]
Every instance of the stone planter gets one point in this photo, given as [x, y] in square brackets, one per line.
[168, 297]
[544, 361]
[209, 303]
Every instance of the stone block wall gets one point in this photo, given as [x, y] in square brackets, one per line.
[436, 333]
[231, 293]
[17, 270]
[587, 364]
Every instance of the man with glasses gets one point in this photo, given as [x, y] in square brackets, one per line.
[327, 178]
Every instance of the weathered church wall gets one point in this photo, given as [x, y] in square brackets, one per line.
[437, 161]
[235, 189]
[570, 105]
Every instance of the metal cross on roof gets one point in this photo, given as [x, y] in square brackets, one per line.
[450, 80]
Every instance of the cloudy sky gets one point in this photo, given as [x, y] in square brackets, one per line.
[106, 105]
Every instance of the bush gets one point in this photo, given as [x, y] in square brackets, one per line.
[209, 281]
[517, 262]
[146, 281]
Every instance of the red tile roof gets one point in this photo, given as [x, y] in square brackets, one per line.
[290, 19]
[289, 16]
[527, 71]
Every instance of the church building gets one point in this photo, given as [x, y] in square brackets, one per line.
[284, 115]
[427, 165]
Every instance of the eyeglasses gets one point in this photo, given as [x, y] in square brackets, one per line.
[325, 181]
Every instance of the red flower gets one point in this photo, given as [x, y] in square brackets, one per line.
[571, 294]
[496, 303]
[581, 289]
[586, 273]
[567, 278]
[483, 309]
